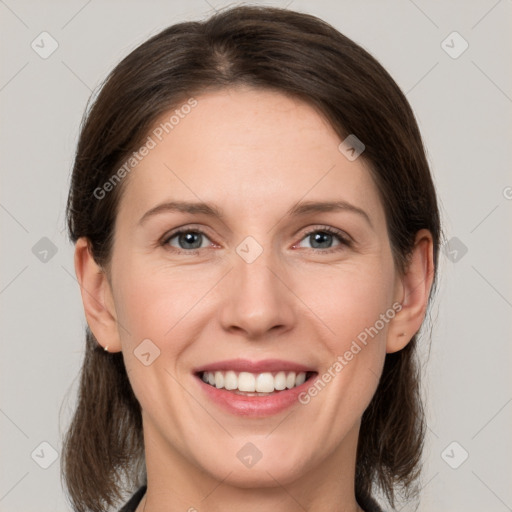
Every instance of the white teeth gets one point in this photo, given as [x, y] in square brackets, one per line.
[300, 379]
[246, 382]
[250, 382]
[265, 383]
[219, 380]
[280, 381]
[230, 380]
[290, 380]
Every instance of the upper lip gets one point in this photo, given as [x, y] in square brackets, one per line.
[245, 365]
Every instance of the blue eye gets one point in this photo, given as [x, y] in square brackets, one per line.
[321, 239]
[188, 239]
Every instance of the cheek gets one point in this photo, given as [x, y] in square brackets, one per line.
[168, 306]
[151, 301]
[158, 307]
[355, 308]
[350, 300]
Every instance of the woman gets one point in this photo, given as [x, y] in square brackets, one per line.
[257, 235]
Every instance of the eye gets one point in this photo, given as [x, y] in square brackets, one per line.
[187, 240]
[321, 239]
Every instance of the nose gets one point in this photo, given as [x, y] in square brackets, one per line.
[257, 298]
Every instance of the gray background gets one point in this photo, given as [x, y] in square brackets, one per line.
[463, 107]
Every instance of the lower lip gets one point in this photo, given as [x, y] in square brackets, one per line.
[242, 405]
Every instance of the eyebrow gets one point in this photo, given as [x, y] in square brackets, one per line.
[299, 209]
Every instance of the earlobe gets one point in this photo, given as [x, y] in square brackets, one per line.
[96, 297]
[416, 284]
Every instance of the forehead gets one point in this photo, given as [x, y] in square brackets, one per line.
[246, 150]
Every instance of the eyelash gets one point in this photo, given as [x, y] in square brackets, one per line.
[344, 241]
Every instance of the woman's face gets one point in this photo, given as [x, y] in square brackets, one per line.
[261, 289]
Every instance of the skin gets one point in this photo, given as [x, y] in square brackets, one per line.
[254, 154]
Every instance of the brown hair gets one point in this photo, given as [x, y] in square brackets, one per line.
[298, 55]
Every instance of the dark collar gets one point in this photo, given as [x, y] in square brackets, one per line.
[368, 504]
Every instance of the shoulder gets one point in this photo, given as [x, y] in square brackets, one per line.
[134, 501]
[368, 504]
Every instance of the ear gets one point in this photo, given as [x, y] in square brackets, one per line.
[96, 297]
[414, 289]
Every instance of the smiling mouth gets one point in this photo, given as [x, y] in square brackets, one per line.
[255, 384]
